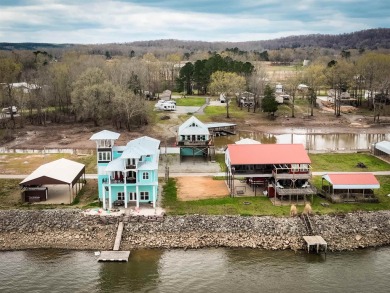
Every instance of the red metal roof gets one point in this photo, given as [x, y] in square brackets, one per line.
[352, 179]
[246, 154]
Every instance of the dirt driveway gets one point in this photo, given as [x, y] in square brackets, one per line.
[194, 188]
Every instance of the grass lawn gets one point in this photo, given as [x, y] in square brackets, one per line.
[26, 163]
[10, 196]
[346, 163]
[190, 102]
[245, 206]
[218, 112]
[261, 206]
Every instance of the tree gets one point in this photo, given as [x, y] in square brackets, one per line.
[10, 71]
[185, 78]
[228, 83]
[269, 104]
[92, 95]
[128, 109]
[314, 78]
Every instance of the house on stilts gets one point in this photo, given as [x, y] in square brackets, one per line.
[194, 140]
[127, 175]
[282, 171]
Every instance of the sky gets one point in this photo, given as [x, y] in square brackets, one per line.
[98, 21]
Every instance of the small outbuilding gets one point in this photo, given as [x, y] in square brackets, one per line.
[382, 148]
[349, 187]
[59, 172]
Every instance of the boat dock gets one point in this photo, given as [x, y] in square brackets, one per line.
[317, 242]
[115, 254]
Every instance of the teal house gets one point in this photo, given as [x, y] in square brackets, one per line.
[194, 139]
[127, 175]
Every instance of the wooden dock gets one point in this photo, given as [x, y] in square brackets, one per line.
[115, 254]
[315, 241]
[118, 237]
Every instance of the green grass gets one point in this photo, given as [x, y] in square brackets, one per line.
[190, 102]
[218, 112]
[261, 206]
[346, 163]
[220, 206]
[220, 159]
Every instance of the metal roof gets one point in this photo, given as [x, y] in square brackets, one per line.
[264, 154]
[145, 142]
[62, 171]
[115, 165]
[352, 180]
[219, 124]
[247, 141]
[105, 134]
[193, 126]
[383, 146]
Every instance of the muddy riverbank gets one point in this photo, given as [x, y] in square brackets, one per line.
[71, 229]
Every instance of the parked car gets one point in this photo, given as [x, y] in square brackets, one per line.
[8, 110]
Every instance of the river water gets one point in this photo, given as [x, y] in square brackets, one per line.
[313, 140]
[202, 270]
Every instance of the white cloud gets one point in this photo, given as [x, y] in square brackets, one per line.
[115, 21]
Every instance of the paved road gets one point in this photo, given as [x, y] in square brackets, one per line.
[186, 174]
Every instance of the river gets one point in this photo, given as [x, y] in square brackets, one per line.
[313, 140]
[203, 270]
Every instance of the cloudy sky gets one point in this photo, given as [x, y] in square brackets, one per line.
[98, 21]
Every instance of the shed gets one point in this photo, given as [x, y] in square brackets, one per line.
[350, 187]
[382, 148]
[59, 172]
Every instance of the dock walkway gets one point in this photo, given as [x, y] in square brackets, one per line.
[115, 254]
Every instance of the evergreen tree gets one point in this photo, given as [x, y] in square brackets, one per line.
[269, 104]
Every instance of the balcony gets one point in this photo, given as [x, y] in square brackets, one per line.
[129, 167]
[129, 180]
[195, 143]
[291, 175]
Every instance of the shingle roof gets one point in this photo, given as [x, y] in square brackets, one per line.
[263, 154]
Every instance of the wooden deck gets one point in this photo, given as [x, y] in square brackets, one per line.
[315, 241]
[114, 256]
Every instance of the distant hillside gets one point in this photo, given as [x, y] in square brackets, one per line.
[31, 46]
[370, 39]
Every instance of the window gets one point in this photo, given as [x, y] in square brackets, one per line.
[145, 176]
[104, 156]
[132, 196]
[121, 196]
[144, 195]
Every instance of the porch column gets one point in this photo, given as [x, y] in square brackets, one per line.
[109, 192]
[104, 196]
[137, 195]
[70, 194]
[126, 200]
[154, 196]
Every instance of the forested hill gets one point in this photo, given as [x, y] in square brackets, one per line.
[31, 46]
[370, 39]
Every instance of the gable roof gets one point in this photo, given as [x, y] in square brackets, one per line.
[62, 171]
[105, 134]
[383, 146]
[145, 145]
[193, 126]
[352, 180]
[247, 141]
[264, 154]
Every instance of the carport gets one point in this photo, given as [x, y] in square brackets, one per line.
[59, 172]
